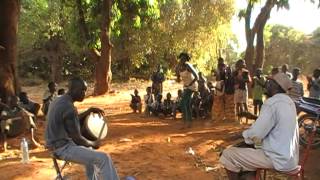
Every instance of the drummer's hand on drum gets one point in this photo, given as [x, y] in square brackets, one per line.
[96, 144]
[96, 110]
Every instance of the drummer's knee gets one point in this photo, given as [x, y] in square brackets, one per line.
[102, 158]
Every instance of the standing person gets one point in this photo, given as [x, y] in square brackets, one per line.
[258, 85]
[277, 132]
[189, 77]
[63, 136]
[157, 79]
[314, 84]
[296, 92]
[242, 78]
[230, 111]
[49, 96]
[219, 101]
[285, 70]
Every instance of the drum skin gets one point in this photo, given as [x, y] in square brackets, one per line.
[94, 127]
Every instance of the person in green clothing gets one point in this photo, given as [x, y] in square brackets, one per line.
[258, 86]
[189, 77]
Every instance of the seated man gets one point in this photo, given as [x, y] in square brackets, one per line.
[168, 105]
[27, 104]
[276, 131]
[148, 100]
[64, 139]
[136, 104]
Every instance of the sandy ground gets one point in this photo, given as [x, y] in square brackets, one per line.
[143, 147]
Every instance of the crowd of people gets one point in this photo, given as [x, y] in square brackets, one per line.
[193, 101]
[225, 98]
[271, 142]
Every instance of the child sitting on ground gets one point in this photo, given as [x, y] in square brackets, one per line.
[177, 104]
[157, 107]
[136, 102]
[168, 105]
[195, 104]
[148, 100]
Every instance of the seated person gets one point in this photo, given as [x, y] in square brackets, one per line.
[136, 102]
[12, 115]
[64, 139]
[195, 104]
[177, 104]
[157, 106]
[27, 104]
[148, 100]
[48, 97]
[168, 105]
[275, 135]
[61, 92]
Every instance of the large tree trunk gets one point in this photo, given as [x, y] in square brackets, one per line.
[9, 14]
[103, 66]
[249, 54]
[259, 29]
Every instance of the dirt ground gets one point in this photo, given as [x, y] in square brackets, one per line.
[144, 147]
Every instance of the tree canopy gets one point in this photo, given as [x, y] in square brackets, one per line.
[144, 33]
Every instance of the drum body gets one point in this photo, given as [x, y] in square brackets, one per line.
[94, 127]
[14, 126]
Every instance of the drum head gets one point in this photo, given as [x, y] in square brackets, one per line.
[96, 126]
[17, 126]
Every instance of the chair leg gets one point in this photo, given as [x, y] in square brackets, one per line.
[56, 166]
[258, 174]
[264, 174]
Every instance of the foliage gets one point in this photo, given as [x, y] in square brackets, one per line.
[287, 45]
[144, 33]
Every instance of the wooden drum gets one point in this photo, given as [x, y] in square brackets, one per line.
[94, 127]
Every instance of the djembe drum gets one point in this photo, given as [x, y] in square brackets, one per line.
[94, 127]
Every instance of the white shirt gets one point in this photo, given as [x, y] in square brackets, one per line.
[278, 129]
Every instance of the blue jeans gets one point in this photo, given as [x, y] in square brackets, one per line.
[98, 164]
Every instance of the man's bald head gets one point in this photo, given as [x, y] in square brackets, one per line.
[77, 88]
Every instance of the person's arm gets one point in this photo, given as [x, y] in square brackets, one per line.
[194, 73]
[261, 128]
[253, 83]
[72, 126]
[177, 70]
